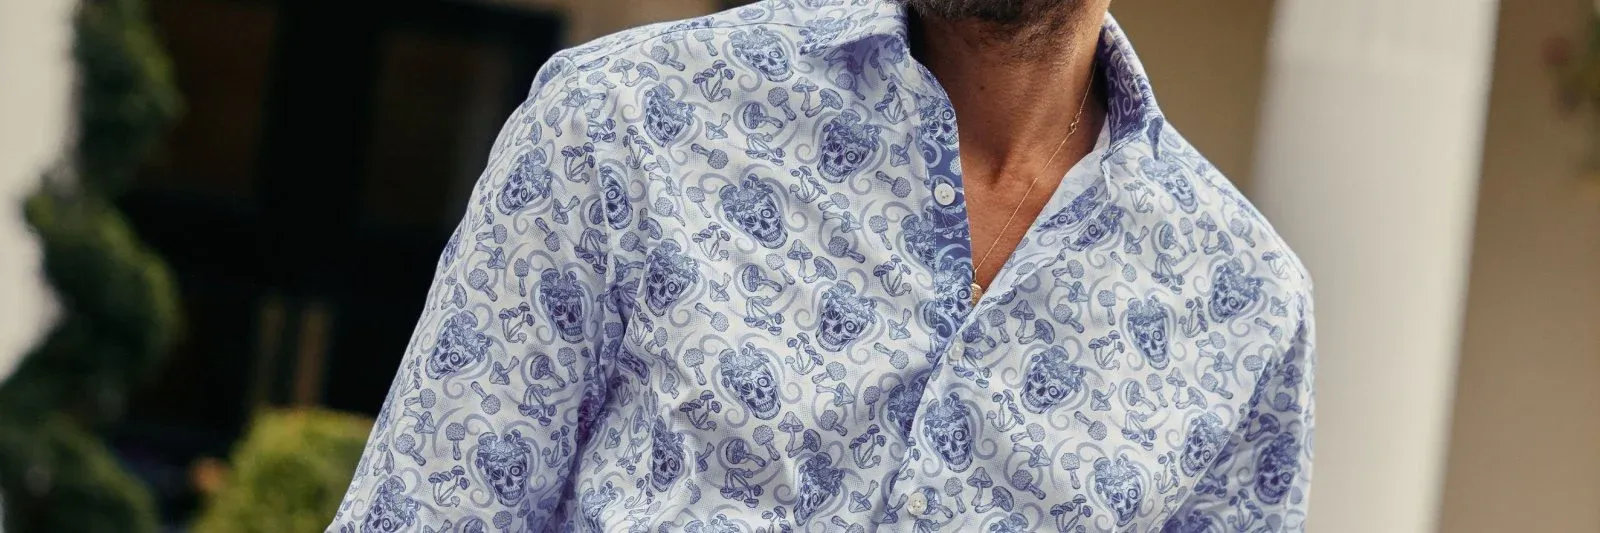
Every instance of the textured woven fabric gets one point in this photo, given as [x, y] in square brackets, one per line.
[715, 278]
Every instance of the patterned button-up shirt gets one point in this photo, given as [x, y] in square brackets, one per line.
[715, 279]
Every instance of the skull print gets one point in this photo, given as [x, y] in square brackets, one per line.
[594, 502]
[938, 121]
[1276, 468]
[753, 207]
[1204, 443]
[1080, 209]
[1051, 378]
[1120, 484]
[847, 144]
[920, 238]
[749, 373]
[819, 482]
[763, 50]
[719, 278]
[666, 117]
[947, 426]
[1232, 291]
[954, 289]
[845, 317]
[528, 181]
[458, 347]
[671, 274]
[391, 510]
[614, 207]
[666, 456]
[1103, 226]
[504, 462]
[1147, 325]
[563, 300]
[903, 400]
[1172, 178]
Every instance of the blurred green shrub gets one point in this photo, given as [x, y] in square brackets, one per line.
[127, 97]
[119, 306]
[120, 312]
[59, 477]
[289, 473]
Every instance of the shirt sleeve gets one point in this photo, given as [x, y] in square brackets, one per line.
[1261, 479]
[502, 377]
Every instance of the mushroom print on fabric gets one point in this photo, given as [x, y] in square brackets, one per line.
[716, 277]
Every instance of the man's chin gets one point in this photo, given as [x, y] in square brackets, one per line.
[1001, 12]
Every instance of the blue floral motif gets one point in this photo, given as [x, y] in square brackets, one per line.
[717, 278]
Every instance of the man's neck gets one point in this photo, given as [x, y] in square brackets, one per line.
[1016, 90]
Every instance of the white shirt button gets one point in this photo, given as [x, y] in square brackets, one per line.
[944, 193]
[917, 504]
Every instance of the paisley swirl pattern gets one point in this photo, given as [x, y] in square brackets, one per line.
[715, 279]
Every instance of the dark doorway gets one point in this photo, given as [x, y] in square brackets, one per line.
[327, 151]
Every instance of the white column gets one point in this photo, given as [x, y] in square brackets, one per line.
[1368, 164]
[35, 94]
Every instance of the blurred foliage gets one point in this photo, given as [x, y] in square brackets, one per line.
[128, 95]
[120, 312]
[288, 475]
[59, 477]
[118, 303]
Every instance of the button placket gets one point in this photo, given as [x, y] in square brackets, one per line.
[917, 503]
[944, 193]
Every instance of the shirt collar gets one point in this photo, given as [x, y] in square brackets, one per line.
[1131, 110]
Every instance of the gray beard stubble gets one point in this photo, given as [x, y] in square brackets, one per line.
[1029, 27]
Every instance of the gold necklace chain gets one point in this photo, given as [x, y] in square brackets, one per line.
[977, 288]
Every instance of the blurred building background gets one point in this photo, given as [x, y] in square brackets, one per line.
[327, 148]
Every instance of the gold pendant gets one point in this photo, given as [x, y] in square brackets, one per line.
[977, 293]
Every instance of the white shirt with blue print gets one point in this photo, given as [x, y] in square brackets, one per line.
[715, 279]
